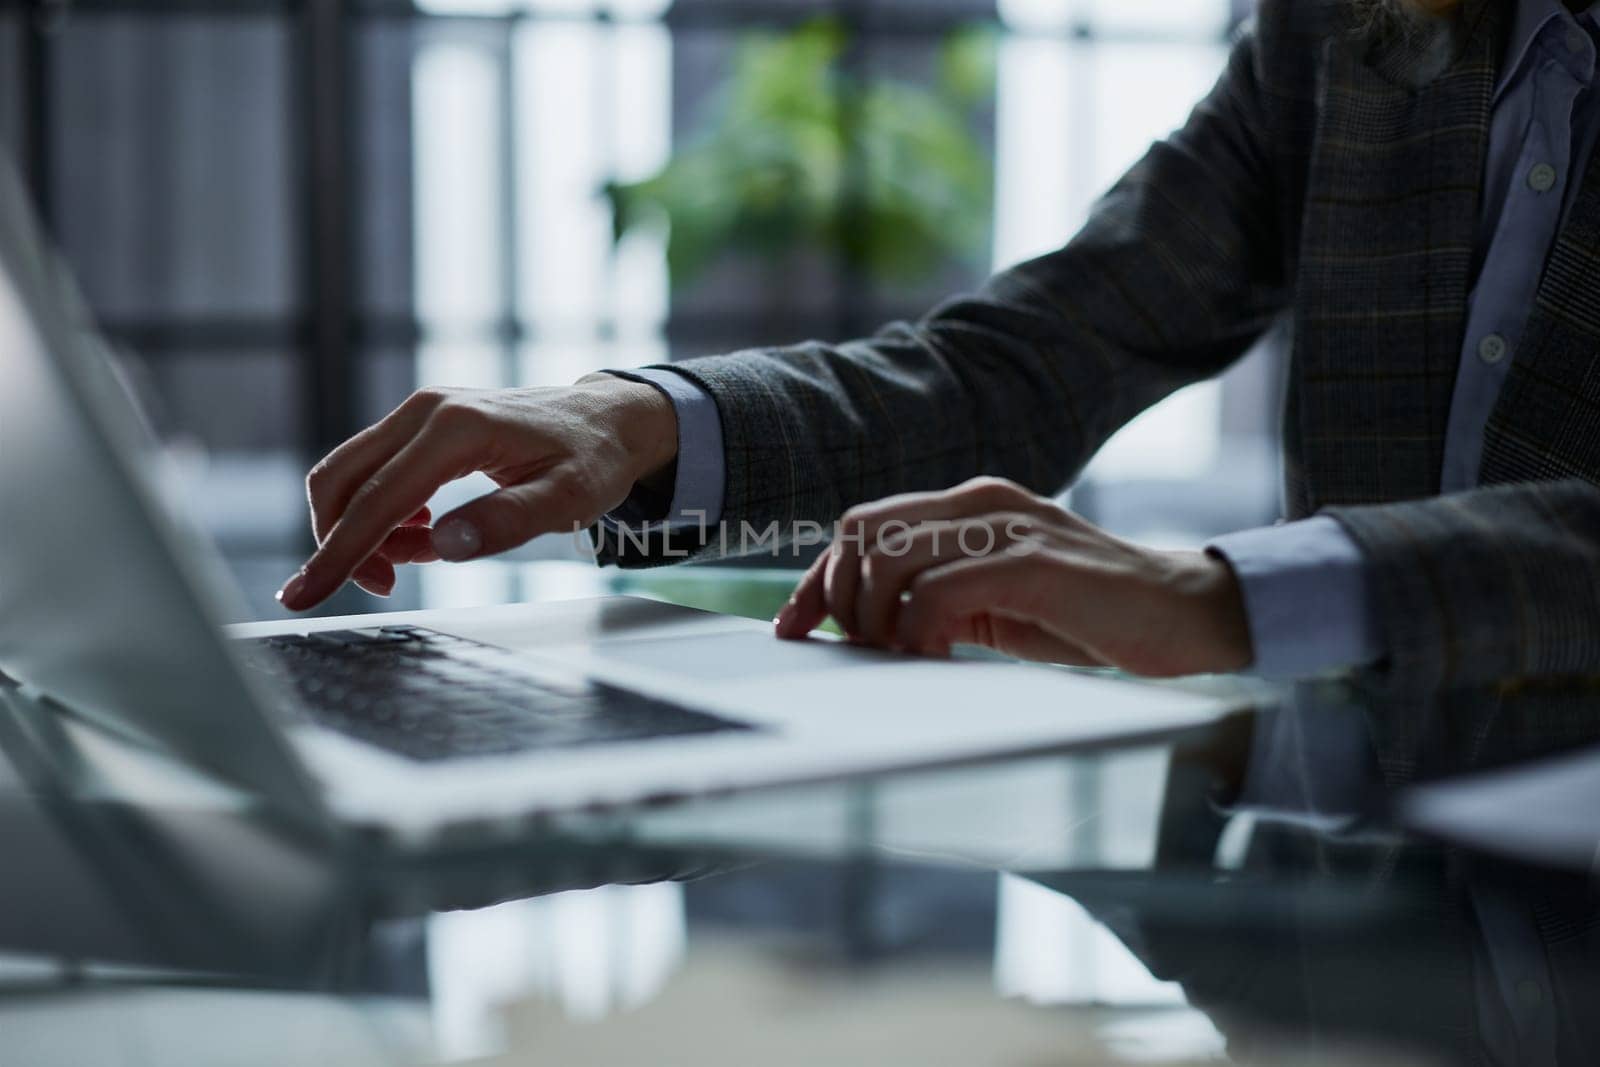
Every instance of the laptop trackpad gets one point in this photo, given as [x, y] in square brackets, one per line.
[737, 655]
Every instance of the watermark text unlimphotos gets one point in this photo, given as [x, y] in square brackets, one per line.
[692, 534]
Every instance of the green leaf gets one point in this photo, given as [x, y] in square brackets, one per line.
[968, 63]
[793, 155]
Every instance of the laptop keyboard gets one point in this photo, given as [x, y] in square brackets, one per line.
[430, 696]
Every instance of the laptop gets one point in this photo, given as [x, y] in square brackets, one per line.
[421, 725]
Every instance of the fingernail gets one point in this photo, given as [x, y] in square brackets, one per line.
[292, 589]
[456, 540]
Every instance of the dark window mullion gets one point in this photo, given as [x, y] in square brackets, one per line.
[330, 376]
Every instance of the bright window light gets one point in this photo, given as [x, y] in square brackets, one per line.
[1145, 92]
[1155, 17]
[1048, 950]
[621, 9]
[569, 144]
[458, 223]
[563, 227]
[1037, 202]
[592, 952]
[1072, 117]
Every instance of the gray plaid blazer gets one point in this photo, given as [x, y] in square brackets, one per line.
[1331, 177]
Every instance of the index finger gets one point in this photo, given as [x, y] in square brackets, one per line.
[399, 489]
[807, 607]
[341, 473]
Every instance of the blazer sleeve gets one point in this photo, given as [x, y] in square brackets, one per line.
[1178, 270]
[1485, 586]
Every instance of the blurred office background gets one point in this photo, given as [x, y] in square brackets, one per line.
[290, 213]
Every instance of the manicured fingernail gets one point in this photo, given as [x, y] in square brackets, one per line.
[292, 589]
[457, 540]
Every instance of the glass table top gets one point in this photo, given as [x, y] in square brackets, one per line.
[1256, 890]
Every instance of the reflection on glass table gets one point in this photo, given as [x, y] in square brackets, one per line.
[1240, 890]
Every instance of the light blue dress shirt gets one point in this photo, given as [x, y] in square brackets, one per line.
[1305, 583]
[697, 490]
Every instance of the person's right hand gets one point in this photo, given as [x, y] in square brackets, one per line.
[562, 457]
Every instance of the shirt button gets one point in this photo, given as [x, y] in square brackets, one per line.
[1492, 349]
[1542, 178]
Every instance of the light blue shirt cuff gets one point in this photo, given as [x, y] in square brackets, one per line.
[1306, 594]
[702, 477]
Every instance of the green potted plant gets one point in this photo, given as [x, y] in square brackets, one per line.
[799, 163]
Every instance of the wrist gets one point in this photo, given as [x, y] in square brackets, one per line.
[1223, 627]
[641, 418]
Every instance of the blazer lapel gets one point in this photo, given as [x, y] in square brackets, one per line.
[1386, 253]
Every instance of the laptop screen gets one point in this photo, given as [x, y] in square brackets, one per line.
[104, 596]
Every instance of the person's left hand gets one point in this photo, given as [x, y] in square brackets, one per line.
[989, 563]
